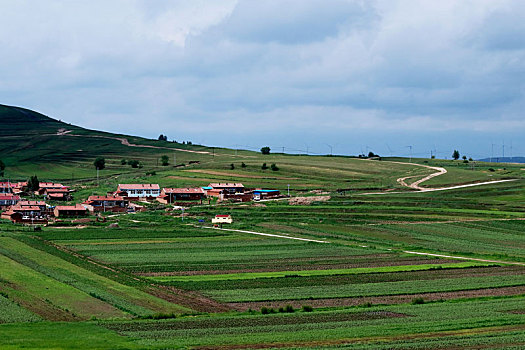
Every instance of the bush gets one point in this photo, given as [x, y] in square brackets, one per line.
[265, 150]
[265, 310]
[264, 166]
[243, 165]
[134, 163]
[232, 166]
[123, 162]
[418, 301]
[492, 170]
[307, 308]
[274, 167]
[165, 160]
[289, 308]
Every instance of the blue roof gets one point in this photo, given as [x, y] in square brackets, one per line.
[265, 191]
[207, 188]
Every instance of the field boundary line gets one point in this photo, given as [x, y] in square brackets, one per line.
[266, 234]
[465, 258]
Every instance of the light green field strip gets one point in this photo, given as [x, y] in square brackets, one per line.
[32, 285]
[132, 297]
[309, 273]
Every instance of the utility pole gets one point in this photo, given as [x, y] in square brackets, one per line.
[288, 190]
[410, 153]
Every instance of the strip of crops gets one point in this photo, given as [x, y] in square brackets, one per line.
[367, 289]
[309, 273]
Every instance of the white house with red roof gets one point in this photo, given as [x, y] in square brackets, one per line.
[139, 190]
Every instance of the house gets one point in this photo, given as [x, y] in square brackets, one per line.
[21, 218]
[138, 190]
[41, 204]
[57, 194]
[8, 200]
[5, 188]
[174, 195]
[259, 194]
[44, 186]
[116, 204]
[19, 187]
[69, 210]
[222, 219]
[227, 187]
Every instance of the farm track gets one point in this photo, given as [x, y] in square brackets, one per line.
[465, 258]
[266, 234]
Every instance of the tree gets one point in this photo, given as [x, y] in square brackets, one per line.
[455, 154]
[2, 168]
[243, 165]
[265, 150]
[99, 163]
[163, 138]
[274, 167]
[134, 163]
[232, 166]
[264, 166]
[165, 160]
[464, 157]
[123, 162]
[33, 184]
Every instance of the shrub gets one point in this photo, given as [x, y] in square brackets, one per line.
[123, 162]
[289, 308]
[265, 150]
[243, 165]
[232, 166]
[274, 167]
[418, 301]
[264, 166]
[265, 310]
[307, 308]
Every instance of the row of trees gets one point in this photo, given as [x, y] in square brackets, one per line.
[456, 155]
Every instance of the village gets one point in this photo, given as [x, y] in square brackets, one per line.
[18, 203]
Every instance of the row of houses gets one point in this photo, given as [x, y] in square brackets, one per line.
[11, 191]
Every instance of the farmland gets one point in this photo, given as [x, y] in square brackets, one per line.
[346, 268]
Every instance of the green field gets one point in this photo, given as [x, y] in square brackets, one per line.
[156, 281]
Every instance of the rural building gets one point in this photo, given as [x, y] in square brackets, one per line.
[41, 204]
[138, 190]
[222, 219]
[44, 186]
[7, 200]
[20, 218]
[114, 204]
[19, 187]
[259, 194]
[227, 187]
[5, 188]
[57, 194]
[174, 195]
[69, 211]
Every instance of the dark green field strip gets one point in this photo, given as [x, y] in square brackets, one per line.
[292, 281]
[328, 326]
[366, 289]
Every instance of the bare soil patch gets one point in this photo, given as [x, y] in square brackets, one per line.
[308, 200]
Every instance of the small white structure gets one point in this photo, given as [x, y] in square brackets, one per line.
[222, 219]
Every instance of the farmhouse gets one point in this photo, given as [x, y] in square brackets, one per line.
[174, 195]
[8, 200]
[230, 188]
[114, 204]
[44, 186]
[57, 194]
[222, 219]
[259, 194]
[70, 211]
[40, 204]
[138, 190]
[5, 188]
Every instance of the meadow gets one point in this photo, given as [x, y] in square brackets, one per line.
[369, 278]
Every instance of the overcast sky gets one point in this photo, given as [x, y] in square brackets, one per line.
[354, 75]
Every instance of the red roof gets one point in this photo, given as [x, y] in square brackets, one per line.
[24, 208]
[225, 185]
[222, 216]
[9, 197]
[196, 190]
[105, 198]
[57, 190]
[123, 187]
[51, 185]
[30, 203]
[70, 207]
